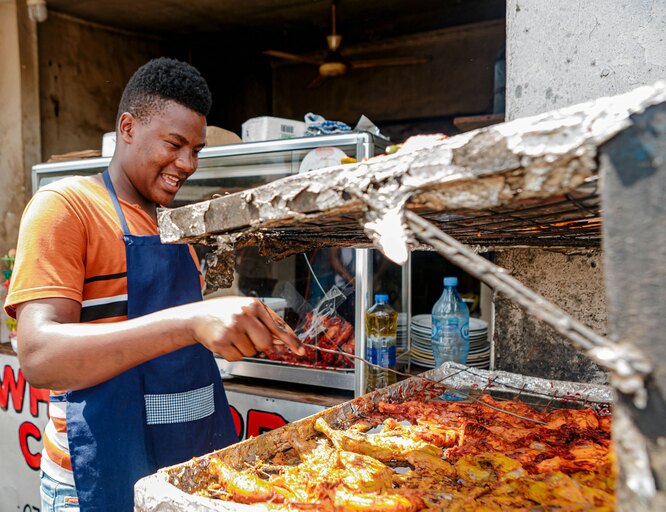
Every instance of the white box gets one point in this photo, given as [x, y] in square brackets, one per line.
[108, 143]
[271, 128]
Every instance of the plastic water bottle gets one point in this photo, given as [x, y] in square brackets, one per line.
[450, 326]
[450, 329]
[381, 326]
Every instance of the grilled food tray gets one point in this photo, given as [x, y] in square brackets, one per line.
[171, 489]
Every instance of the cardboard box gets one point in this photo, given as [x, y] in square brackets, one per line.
[271, 128]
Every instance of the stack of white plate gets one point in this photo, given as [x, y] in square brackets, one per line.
[401, 340]
[479, 347]
[421, 353]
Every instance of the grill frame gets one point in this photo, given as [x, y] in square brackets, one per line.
[171, 487]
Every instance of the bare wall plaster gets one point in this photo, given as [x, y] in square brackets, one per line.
[83, 70]
[564, 52]
[19, 115]
[526, 345]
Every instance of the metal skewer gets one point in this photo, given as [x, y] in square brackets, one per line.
[436, 382]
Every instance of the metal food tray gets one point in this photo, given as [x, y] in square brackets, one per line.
[336, 378]
[169, 489]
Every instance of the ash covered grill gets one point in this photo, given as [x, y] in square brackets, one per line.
[565, 221]
[529, 182]
[174, 489]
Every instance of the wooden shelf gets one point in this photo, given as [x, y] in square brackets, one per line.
[468, 123]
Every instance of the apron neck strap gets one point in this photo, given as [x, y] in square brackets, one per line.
[116, 203]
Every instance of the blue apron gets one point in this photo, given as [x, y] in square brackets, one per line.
[162, 412]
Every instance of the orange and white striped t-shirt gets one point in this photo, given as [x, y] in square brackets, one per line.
[70, 246]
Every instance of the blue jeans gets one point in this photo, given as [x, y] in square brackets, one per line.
[56, 496]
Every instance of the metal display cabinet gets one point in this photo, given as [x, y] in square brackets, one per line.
[236, 167]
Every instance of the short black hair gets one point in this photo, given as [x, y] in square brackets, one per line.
[161, 80]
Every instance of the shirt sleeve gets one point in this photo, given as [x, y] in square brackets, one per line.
[50, 254]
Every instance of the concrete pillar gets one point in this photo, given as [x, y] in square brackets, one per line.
[565, 52]
[19, 115]
[558, 54]
[561, 53]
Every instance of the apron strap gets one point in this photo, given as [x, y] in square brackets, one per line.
[116, 203]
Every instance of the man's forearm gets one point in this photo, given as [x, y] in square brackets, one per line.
[56, 352]
[69, 356]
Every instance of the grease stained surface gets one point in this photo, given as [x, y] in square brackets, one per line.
[430, 454]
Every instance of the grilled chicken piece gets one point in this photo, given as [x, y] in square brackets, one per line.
[492, 466]
[582, 419]
[386, 448]
[345, 500]
[327, 468]
[243, 487]
[577, 458]
[428, 431]
[364, 473]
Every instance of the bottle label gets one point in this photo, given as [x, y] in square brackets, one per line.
[445, 327]
[464, 331]
[381, 351]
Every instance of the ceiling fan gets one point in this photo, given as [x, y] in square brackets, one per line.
[334, 64]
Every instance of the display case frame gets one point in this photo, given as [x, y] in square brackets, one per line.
[270, 160]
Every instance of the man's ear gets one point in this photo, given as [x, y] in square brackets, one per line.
[126, 127]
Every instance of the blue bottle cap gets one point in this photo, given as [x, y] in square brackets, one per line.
[450, 281]
[381, 298]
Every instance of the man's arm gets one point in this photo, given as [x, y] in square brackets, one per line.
[57, 352]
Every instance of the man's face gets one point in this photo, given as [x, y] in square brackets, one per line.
[163, 151]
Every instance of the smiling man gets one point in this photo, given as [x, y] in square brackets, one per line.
[112, 320]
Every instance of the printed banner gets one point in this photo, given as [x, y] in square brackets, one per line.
[24, 414]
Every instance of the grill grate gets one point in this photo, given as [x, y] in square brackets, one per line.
[567, 221]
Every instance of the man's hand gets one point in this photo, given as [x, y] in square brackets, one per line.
[58, 352]
[237, 327]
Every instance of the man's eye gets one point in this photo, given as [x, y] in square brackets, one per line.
[173, 144]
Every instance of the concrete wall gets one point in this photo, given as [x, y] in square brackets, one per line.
[564, 52]
[83, 70]
[574, 282]
[561, 53]
[19, 115]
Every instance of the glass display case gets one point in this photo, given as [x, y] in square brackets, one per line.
[359, 273]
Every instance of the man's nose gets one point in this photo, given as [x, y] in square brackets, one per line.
[186, 162]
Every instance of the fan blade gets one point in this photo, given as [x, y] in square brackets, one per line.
[389, 61]
[317, 81]
[292, 57]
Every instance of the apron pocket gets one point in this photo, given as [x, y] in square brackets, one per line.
[182, 407]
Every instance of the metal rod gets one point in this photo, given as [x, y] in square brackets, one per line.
[363, 290]
[433, 381]
[547, 407]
